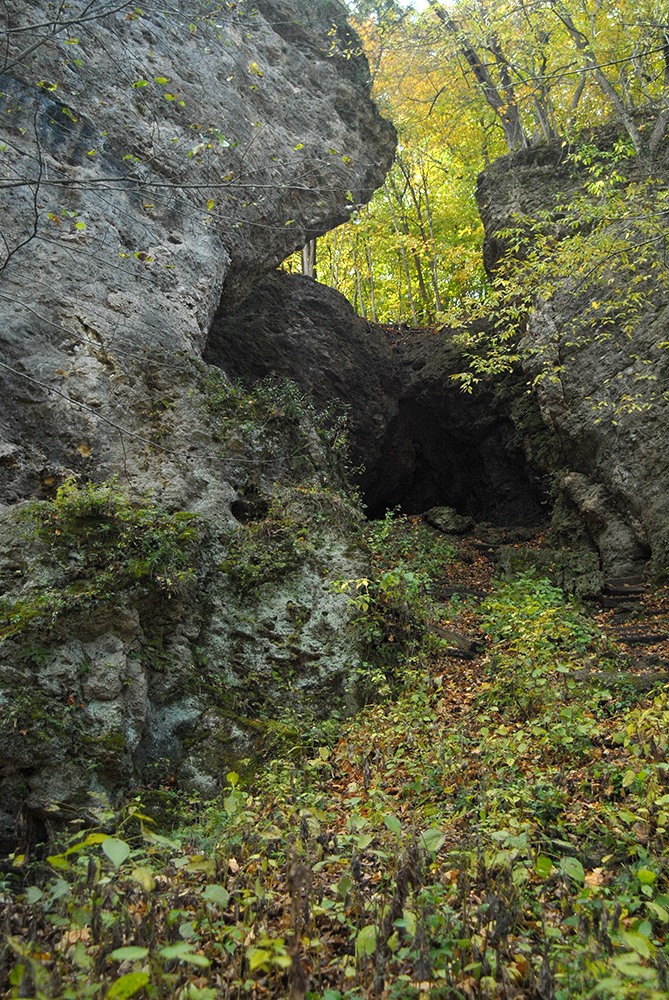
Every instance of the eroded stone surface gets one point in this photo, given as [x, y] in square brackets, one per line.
[300, 329]
[178, 163]
[174, 156]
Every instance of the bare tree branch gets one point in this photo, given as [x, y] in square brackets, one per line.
[35, 205]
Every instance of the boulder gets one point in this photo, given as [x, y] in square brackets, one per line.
[152, 624]
[297, 328]
[143, 196]
[448, 520]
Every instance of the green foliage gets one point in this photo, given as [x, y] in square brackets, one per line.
[390, 626]
[434, 845]
[410, 543]
[97, 545]
[539, 637]
[268, 549]
[394, 604]
[602, 251]
[453, 79]
[528, 612]
[271, 403]
[271, 399]
[414, 251]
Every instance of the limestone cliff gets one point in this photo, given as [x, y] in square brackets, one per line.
[158, 161]
[167, 536]
[605, 399]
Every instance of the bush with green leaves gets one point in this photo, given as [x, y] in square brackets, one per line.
[432, 846]
[601, 253]
[394, 603]
[400, 540]
[275, 406]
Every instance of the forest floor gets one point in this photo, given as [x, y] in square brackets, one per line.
[493, 824]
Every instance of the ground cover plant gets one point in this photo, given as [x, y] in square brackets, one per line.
[487, 827]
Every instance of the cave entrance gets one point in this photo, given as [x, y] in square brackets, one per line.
[418, 439]
[458, 451]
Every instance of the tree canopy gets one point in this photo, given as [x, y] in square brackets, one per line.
[464, 83]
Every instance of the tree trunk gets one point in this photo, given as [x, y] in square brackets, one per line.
[584, 45]
[505, 107]
[309, 259]
[372, 293]
[403, 257]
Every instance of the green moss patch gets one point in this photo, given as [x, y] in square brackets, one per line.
[91, 543]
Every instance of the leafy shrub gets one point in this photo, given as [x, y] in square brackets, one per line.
[277, 405]
[539, 635]
[401, 540]
[394, 603]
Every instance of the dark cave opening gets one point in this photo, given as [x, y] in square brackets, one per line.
[455, 451]
[417, 440]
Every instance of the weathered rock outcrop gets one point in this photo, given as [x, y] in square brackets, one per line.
[155, 624]
[611, 419]
[154, 190]
[297, 328]
[161, 160]
[590, 441]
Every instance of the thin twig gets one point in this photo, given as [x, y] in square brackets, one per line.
[89, 409]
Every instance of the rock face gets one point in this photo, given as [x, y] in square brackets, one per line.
[155, 191]
[611, 420]
[293, 326]
[163, 161]
[168, 537]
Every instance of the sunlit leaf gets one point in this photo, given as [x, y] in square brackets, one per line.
[393, 824]
[573, 868]
[432, 839]
[365, 942]
[637, 942]
[543, 866]
[217, 894]
[127, 985]
[257, 958]
[130, 953]
[145, 878]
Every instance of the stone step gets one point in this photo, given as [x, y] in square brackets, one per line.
[640, 638]
[624, 586]
[622, 601]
